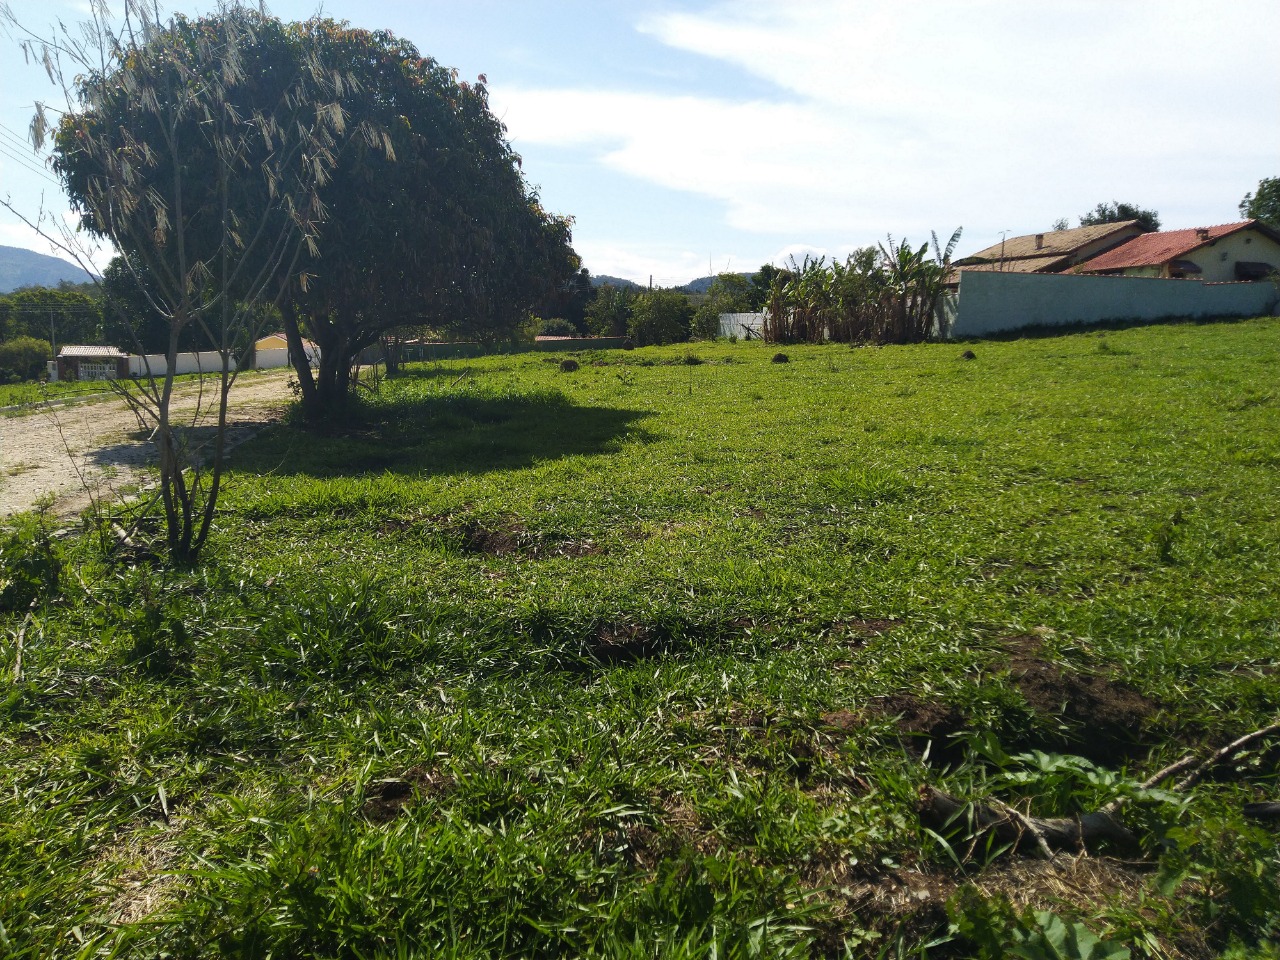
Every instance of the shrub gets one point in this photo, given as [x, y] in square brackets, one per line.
[660, 316]
[30, 569]
[557, 327]
[24, 359]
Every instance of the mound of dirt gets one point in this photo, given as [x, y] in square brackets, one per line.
[615, 643]
[1101, 719]
[926, 727]
[387, 799]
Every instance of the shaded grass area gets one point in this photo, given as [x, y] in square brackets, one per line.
[650, 659]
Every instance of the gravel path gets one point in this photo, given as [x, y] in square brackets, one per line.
[95, 449]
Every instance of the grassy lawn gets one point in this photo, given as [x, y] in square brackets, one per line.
[652, 658]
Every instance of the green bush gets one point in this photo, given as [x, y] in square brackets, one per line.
[660, 316]
[557, 327]
[23, 359]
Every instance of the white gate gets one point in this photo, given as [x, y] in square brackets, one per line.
[95, 371]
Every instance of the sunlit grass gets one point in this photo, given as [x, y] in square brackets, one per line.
[642, 659]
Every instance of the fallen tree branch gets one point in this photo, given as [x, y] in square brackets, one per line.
[1262, 811]
[19, 644]
[1226, 753]
[939, 811]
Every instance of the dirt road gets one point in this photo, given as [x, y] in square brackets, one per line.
[95, 449]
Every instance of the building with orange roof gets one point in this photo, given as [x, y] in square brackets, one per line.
[1248, 250]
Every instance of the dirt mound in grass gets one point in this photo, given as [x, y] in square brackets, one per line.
[1101, 719]
[926, 727]
[387, 799]
[615, 643]
[493, 537]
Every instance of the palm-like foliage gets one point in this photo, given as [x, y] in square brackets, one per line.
[884, 294]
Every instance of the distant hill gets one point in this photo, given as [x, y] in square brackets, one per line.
[26, 268]
[602, 279]
[703, 284]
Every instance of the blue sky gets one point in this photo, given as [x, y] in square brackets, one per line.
[688, 136]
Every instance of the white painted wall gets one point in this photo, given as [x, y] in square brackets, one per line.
[995, 302]
[207, 361]
[732, 324]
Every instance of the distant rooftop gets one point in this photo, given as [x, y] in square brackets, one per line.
[91, 353]
[1154, 249]
[1051, 243]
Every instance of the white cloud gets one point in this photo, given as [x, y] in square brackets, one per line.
[893, 117]
[668, 266]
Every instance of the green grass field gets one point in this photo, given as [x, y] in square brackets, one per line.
[652, 658]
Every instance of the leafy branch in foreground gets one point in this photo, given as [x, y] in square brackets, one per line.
[197, 149]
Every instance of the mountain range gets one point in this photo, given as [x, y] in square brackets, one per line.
[700, 285]
[26, 268]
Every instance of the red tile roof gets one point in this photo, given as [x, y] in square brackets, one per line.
[1156, 249]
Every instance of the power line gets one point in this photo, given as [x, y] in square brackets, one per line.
[15, 148]
[26, 164]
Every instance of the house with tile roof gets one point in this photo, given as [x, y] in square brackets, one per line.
[1248, 250]
[1053, 251]
[86, 362]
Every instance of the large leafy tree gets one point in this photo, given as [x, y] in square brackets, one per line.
[196, 147]
[660, 316]
[1116, 212]
[1264, 203]
[55, 315]
[430, 225]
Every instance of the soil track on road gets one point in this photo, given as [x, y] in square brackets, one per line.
[96, 449]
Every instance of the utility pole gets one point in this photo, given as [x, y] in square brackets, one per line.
[53, 340]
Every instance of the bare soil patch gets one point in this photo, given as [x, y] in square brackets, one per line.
[1101, 718]
[926, 727]
[94, 450]
[618, 643]
[387, 799]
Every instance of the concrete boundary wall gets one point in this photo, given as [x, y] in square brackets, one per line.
[207, 361]
[744, 325]
[996, 302]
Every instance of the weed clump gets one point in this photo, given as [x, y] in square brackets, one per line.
[30, 568]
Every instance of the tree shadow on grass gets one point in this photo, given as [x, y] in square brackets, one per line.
[457, 433]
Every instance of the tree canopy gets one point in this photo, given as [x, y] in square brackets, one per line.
[48, 313]
[1116, 212]
[1264, 203]
[608, 313]
[197, 147]
[429, 224]
[659, 316]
